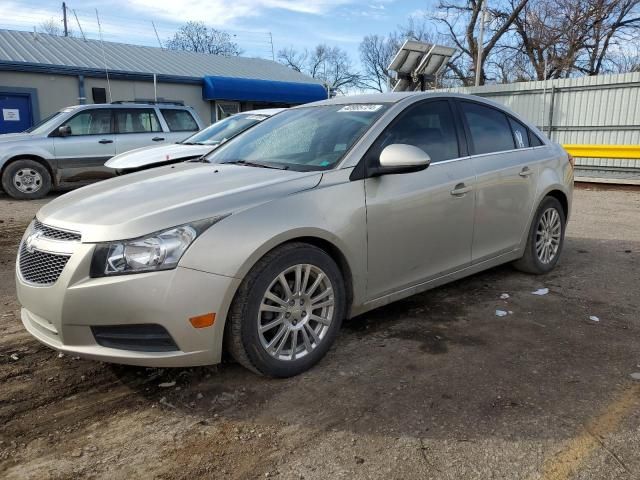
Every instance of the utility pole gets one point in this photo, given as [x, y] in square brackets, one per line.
[64, 19]
[483, 15]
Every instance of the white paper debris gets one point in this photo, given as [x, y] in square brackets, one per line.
[593, 318]
[541, 291]
[14, 356]
[504, 296]
[635, 375]
[60, 355]
[501, 313]
[167, 384]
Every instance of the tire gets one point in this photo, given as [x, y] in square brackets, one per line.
[535, 260]
[250, 347]
[39, 180]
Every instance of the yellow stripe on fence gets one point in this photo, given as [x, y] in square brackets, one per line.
[630, 152]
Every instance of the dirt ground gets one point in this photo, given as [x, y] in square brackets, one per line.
[435, 386]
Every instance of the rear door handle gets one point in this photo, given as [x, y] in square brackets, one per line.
[104, 141]
[158, 139]
[526, 171]
[460, 189]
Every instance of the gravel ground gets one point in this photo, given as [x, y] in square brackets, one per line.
[435, 386]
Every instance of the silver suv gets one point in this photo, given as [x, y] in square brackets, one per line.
[72, 145]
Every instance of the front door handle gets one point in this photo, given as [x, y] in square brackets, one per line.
[105, 141]
[158, 139]
[525, 172]
[460, 189]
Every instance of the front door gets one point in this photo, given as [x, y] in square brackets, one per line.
[506, 170]
[81, 155]
[420, 224]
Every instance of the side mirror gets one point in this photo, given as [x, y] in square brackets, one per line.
[401, 158]
[64, 131]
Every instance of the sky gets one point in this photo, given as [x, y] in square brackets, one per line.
[292, 23]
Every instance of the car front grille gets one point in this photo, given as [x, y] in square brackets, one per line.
[41, 268]
[56, 233]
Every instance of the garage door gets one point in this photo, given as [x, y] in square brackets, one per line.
[15, 113]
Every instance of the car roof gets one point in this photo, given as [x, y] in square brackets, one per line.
[127, 105]
[265, 111]
[390, 97]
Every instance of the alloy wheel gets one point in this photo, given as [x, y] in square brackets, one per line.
[295, 312]
[548, 235]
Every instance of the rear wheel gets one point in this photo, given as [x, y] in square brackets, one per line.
[26, 180]
[287, 311]
[546, 238]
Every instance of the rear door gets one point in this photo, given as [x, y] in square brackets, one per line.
[137, 128]
[506, 170]
[81, 155]
[419, 225]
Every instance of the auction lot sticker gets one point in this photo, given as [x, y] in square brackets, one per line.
[360, 108]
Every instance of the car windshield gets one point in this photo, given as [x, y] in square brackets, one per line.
[224, 130]
[303, 139]
[44, 126]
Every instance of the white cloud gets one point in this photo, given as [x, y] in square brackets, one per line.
[223, 12]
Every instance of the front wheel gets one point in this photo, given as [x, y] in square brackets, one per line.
[287, 312]
[26, 180]
[545, 240]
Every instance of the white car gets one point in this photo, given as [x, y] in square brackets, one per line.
[194, 146]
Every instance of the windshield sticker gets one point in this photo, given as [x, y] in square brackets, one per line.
[258, 118]
[360, 108]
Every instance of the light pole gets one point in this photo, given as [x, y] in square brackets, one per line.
[483, 15]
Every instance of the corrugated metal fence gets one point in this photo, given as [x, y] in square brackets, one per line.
[601, 110]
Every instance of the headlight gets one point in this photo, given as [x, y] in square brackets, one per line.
[158, 251]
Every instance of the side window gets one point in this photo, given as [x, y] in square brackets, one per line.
[428, 126]
[139, 120]
[534, 140]
[490, 130]
[179, 120]
[90, 122]
[520, 133]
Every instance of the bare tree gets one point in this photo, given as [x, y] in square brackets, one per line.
[331, 65]
[197, 37]
[53, 27]
[563, 37]
[461, 20]
[376, 53]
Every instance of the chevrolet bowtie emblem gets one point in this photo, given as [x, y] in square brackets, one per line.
[28, 243]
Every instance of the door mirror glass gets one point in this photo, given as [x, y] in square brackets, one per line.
[64, 130]
[403, 158]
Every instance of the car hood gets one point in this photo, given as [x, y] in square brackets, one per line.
[141, 203]
[15, 137]
[147, 156]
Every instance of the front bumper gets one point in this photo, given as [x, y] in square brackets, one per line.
[61, 315]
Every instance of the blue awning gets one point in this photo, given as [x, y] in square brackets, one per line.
[248, 89]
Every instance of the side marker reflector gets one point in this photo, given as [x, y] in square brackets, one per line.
[203, 321]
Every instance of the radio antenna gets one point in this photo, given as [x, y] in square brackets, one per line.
[104, 56]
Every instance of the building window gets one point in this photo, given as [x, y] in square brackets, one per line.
[226, 109]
